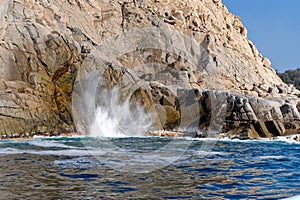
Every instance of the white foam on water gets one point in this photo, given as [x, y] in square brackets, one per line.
[8, 151]
[67, 152]
[293, 198]
[278, 139]
[270, 157]
[57, 137]
[287, 139]
[73, 152]
[49, 143]
[200, 139]
[205, 153]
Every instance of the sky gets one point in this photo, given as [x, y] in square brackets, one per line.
[274, 27]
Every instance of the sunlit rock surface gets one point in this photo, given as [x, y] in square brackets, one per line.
[44, 43]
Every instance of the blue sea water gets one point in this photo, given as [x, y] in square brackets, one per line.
[148, 168]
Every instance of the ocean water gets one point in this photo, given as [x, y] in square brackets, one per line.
[148, 168]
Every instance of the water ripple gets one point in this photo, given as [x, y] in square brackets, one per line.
[63, 168]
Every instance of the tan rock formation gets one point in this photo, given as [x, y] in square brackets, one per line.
[44, 43]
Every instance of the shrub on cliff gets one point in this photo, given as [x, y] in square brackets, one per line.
[291, 77]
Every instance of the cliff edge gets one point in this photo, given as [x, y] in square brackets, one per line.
[44, 44]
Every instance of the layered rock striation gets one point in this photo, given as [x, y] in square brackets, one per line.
[196, 47]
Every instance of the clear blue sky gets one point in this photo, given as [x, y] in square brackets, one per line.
[274, 28]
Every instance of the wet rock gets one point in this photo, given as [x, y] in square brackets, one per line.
[296, 138]
[276, 128]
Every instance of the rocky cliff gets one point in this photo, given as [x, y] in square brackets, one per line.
[46, 44]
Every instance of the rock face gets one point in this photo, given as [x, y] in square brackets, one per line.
[44, 44]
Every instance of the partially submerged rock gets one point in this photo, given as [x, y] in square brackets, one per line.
[238, 116]
[166, 134]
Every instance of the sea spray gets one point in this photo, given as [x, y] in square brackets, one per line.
[116, 118]
[102, 110]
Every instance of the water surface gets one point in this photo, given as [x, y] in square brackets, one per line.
[148, 168]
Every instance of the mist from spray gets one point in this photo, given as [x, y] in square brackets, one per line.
[116, 118]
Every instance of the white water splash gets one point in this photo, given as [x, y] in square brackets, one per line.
[114, 118]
